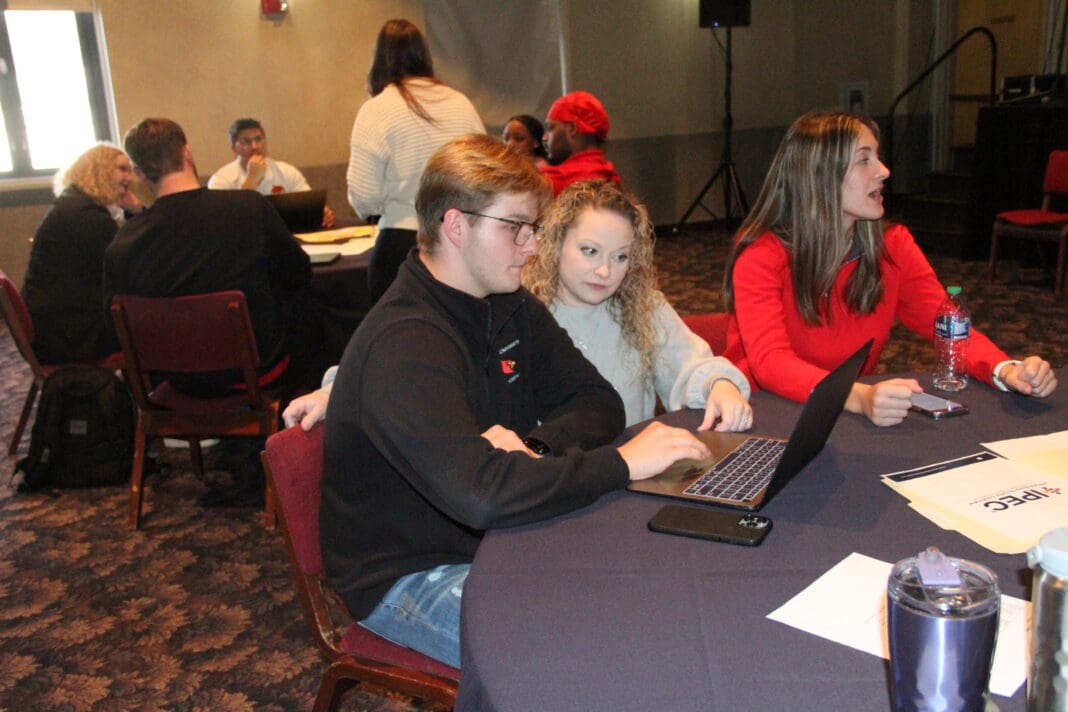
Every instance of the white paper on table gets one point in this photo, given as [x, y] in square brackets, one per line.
[847, 605]
[1001, 504]
[354, 240]
[1047, 452]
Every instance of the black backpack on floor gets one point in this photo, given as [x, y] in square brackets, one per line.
[84, 430]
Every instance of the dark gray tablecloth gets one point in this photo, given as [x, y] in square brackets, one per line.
[591, 611]
[343, 299]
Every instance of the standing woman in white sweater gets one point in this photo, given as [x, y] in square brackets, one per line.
[594, 269]
[409, 116]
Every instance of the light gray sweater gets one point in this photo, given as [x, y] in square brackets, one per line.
[685, 366]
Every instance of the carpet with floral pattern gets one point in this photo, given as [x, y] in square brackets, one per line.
[197, 610]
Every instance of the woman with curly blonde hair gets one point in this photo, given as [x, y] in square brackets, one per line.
[594, 270]
[63, 287]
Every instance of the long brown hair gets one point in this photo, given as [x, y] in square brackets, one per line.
[633, 304]
[401, 53]
[801, 202]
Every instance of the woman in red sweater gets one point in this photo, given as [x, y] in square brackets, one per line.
[812, 276]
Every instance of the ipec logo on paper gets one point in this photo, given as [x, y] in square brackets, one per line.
[1021, 497]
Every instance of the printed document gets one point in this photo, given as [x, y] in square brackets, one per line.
[1045, 452]
[1001, 504]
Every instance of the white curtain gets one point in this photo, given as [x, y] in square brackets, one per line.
[505, 56]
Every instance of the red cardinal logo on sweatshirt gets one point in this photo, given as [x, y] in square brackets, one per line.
[507, 366]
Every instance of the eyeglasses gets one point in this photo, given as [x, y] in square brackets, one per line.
[251, 140]
[521, 231]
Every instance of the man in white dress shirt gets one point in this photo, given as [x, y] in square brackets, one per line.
[253, 170]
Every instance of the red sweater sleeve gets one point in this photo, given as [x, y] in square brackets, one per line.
[763, 305]
[920, 295]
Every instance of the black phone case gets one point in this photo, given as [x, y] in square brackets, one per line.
[729, 527]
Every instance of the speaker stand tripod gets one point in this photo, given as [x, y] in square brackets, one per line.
[732, 189]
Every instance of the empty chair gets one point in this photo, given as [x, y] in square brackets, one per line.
[293, 461]
[195, 334]
[711, 327]
[20, 325]
[1043, 225]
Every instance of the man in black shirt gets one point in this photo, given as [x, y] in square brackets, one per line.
[192, 241]
[460, 405]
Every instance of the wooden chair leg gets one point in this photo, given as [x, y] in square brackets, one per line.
[1062, 254]
[137, 485]
[31, 396]
[336, 681]
[993, 266]
[270, 517]
[197, 457]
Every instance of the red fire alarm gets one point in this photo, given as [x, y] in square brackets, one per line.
[273, 7]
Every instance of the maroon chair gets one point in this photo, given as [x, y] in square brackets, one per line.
[293, 461]
[1043, 225]
[191, 335]
[20, 325]
[711, 327]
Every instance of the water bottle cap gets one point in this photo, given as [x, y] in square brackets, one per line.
[953, 291]
[1051, 552]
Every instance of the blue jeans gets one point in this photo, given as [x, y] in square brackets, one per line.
[422, 612]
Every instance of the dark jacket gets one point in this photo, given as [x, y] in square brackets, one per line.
[409, 482]
[200, 241]
[64, 281]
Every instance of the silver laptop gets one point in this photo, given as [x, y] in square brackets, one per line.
[746, 471]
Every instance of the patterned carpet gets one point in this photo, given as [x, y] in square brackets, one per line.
[197, 610]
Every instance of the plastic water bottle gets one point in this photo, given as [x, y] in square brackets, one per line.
[952, 331]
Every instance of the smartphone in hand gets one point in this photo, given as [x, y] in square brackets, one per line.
[729, 527]
[936, 407]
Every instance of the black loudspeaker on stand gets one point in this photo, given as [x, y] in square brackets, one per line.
[723, 13]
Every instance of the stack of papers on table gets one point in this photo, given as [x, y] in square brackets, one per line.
[1005, 505]
[354, 240]
[848, 605]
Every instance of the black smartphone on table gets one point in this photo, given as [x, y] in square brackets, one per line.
[714, 525]
[936, 407]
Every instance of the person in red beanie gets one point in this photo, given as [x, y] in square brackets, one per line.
[575, 130]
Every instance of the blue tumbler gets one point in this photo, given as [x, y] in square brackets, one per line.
[942, 621]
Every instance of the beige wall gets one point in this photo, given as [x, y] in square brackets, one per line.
[204, 62]
[662, 79]
[1017, 28]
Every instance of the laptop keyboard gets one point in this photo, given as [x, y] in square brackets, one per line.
[743, 473]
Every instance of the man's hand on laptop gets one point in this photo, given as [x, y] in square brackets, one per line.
[659, 446]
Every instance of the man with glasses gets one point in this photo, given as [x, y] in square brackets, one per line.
[253, 170]
[460, 406]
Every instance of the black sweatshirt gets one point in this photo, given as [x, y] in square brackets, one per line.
[409, 483]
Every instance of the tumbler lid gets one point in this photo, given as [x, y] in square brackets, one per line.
[1051, 552]
[938, 585]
